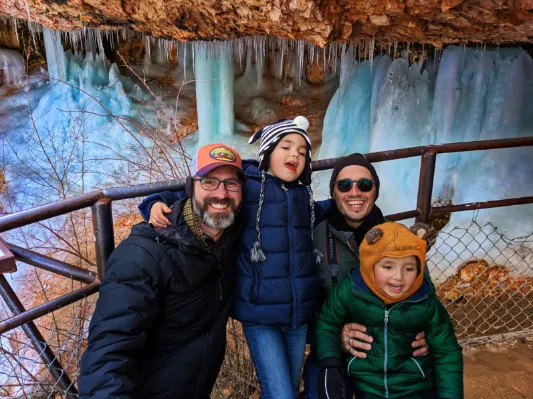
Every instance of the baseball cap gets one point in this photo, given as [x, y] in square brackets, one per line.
[212, 156]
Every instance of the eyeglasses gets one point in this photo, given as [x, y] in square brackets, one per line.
[212, 183]
[364, 185]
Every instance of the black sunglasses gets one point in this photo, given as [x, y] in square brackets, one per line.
[364, 185]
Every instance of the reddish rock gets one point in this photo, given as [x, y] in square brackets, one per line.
[318, 21]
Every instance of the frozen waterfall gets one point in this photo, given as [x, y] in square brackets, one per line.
[213, 65]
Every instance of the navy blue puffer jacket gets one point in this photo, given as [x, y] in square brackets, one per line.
[282, 291]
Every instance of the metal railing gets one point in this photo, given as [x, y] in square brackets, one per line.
[102, 220]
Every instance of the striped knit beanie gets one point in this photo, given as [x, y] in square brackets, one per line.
[270, 136]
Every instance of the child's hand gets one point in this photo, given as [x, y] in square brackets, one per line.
[420, 345]
[157, 215]
[353, 337]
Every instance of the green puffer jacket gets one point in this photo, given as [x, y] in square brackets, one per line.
[390, 370]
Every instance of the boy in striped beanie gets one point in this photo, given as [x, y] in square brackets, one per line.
[277, 285]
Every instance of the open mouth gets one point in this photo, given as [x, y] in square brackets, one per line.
[356, 205]
[219, 206]
[292, 166]
[397, 289]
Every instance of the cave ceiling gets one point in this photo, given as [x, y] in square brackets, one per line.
[319, 22]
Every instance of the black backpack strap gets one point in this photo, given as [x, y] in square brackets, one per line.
[332, 256]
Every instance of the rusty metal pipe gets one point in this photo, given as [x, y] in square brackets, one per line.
[402, 216]
[52, 265]
[142, 190]
[25, 316]
[38, 341]
[390, 155]
[48, 211]
[481, 205]
[104, 240]
[425, 186]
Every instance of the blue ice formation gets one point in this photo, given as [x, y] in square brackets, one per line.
[87, 100]
[213, 68]
[11, 66]
[468, 95]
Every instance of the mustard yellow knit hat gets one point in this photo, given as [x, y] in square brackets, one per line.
[396, 241]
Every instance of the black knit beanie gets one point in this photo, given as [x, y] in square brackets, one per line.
[353, 159]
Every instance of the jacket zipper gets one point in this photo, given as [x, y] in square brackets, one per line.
[386, 339]
[220, 288]
[386, 357]
[293, 292]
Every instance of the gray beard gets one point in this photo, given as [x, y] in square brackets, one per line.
[217, 221]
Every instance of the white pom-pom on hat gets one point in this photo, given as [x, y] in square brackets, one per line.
[301, 122]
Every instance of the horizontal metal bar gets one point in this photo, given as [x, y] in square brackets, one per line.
[402, 215]
[481, 205]
[482, 145]
[48, 211]
[142, 190]
[52, 265]
[48, 307]
[390, 155]
[43, 212]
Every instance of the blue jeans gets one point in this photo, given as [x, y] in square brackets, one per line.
[278, 354]
[311, 375]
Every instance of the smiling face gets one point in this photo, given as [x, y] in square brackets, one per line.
[287, 160]
[396, 276]
[354, 205]
[217, 208]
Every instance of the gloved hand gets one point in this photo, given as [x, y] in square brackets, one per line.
[333, 384]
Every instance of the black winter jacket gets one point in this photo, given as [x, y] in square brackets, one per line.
[159, 328]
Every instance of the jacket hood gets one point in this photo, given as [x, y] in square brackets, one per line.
[360, 287]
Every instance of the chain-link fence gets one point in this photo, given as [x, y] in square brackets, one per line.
[484, 279]
[24, 374]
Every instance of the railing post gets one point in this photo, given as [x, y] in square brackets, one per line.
[104, 240]
[425, 185]
[38, 341]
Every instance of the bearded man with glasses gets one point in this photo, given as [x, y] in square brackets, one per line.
[354, 187]
[159, 328]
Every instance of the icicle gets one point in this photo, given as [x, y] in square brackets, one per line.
[324, 56]
[147, 45]
[27, 9]
[371, 52]
[193, 47]
[55, 56]
[184, 61]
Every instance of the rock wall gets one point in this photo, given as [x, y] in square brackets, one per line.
[318, 21]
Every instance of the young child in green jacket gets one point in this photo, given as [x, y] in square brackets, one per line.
[390, 295]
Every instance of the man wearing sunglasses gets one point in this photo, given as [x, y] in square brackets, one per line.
[159, 328]
[354, 186]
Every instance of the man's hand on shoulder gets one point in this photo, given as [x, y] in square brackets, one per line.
[157, 215]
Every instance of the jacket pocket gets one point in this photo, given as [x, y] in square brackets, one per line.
[350, 364]
[423, 375]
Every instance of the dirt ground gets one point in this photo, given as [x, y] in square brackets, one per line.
[499, 370]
